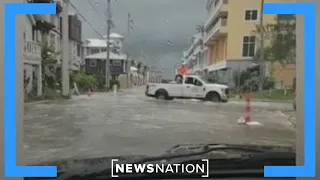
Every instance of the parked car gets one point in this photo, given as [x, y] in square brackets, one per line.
[191, 87]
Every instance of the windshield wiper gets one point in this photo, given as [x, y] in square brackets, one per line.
[254, 156]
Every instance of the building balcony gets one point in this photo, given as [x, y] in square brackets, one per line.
[32, 50]
[44, 26]
[40, 1]
[220, 9]
[218, 30]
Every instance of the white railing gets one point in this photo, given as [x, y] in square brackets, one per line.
[215, 11]
[32, 50]
[221, 23]
[212, 31]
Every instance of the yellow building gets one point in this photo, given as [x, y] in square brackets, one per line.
[229, 40]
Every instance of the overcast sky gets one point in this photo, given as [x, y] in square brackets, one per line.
[156, 22]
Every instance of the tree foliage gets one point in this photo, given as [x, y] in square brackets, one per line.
[50, 77]
[281, 39]
[84, 81]
[249, 80]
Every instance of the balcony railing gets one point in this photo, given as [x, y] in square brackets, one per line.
[215, 10]
[222, 22]
[32, 50]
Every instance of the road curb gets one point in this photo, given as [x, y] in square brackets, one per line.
[263, 100]
[37, 102]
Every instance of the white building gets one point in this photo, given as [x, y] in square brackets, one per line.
[194, 56]
[38, 30]
[96, 45]
[32, 55]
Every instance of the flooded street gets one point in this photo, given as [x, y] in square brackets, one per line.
[130, 123]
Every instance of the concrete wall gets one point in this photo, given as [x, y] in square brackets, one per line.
[123, 81]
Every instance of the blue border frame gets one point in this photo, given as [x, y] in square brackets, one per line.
[308, 10]
[13, 9]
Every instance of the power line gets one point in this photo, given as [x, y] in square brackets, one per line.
[86, 21]
[96, 10]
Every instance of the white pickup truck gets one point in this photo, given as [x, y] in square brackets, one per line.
[192, 87]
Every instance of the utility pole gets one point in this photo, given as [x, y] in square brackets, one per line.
[65, 50]
[262, 62]
[109, 22]
[128, 69]
[130, 21]
[129, 25]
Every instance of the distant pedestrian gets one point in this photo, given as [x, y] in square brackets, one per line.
[179, 79]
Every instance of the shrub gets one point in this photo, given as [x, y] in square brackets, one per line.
[84, 81]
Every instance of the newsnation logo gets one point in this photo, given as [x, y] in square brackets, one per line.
[119, 169]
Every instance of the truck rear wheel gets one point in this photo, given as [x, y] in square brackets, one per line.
[213, 96]
[161, 94]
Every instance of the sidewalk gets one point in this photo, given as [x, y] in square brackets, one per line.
[262, 100]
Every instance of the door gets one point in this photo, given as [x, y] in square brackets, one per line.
[175, 90]
[192, 87]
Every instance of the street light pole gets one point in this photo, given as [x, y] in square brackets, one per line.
[108, 44]
[128, 67]
[65, 50]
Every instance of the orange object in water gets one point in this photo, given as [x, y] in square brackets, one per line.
[90, 93]
[248, 108]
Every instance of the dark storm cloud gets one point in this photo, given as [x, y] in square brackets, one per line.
[162, 28]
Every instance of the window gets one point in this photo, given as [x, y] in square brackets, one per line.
[188, 80]
[116, 63]
[77, 32]
[78, 50]
[248, 46]
[197, 82]
[93, 63]
[251, 15]
[94, 51]
[193, 81]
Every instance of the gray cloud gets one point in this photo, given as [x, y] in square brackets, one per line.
[155, 23]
